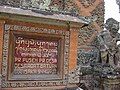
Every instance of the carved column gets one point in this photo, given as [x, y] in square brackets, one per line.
[73, 70]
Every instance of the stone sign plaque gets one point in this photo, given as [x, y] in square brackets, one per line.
[34, 56]
[37, 55]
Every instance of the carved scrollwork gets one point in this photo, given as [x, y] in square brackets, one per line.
[60, 6]
[85, 57]
[70, 6]
[87, 3]
[13, 3]
[99, 12]
[85, 34]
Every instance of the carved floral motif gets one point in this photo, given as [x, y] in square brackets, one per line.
[99, 12]
[87, 3]
[71, 7]
[45, 5]
[86, 56]
[85, 35]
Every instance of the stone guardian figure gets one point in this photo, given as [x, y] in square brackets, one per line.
[109, 49]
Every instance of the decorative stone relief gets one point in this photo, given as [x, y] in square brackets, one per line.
[88, 81]
[85, 35]
[14, 3]
[99, 12]
[74, 75]
[87, 3]
[15, 84]
[86, 56]
[70, 6]
[58, 6]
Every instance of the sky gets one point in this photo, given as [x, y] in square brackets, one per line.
[111, 10]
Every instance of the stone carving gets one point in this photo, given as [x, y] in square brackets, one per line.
[25, 4]
[108, 43]
[107, 65]
[59, 6]
[85, 57]
[38, 4]
[85, 35]
[109, 61]
[14, 84]
[71, 7]
[74, 75]
[99, 12]
[14, 3]
[87, 3]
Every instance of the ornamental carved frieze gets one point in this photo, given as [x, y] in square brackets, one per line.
[99, 12]
[14, 3]
[87, 3]
[85, 34]
[87, 55]
[71, 6]
[57, 4]
[61, 6]
[12, 83]
[74, 75]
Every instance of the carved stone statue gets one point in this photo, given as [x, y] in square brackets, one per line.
[108, 43]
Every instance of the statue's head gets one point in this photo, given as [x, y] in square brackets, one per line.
[112, 25]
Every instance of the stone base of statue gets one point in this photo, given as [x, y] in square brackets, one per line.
[104, 76]
[111, 83]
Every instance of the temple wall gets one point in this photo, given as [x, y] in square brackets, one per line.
[87, 34]
[80, 38]
[69, 55]
[92, 8]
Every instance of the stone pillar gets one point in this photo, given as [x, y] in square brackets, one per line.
[73, 70]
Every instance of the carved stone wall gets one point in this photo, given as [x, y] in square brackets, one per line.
[90, 8]
[75, 7]
[87, 34]
[86, 49]
[99, 11]
[29, 83]
[87, 3]
[51, 5]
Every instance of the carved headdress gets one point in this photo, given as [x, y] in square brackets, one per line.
[112, 24]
